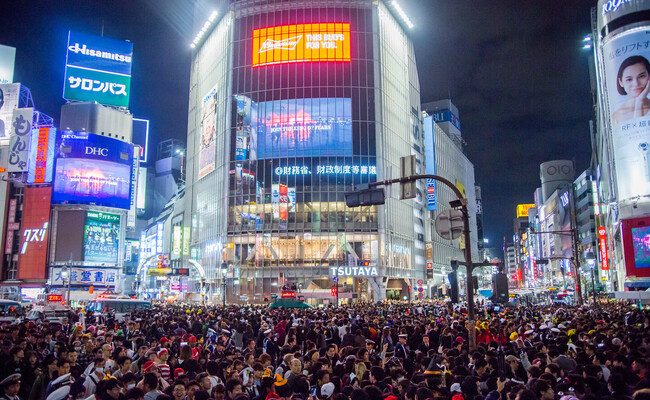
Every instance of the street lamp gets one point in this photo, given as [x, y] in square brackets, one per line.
[66, 275]
[591, 260]
[224, 269]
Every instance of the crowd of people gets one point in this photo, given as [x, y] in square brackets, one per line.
[385, 351]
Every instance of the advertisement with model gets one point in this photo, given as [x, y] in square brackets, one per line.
[92, 169]
[101, 237]
[207, 149]
[627, 76]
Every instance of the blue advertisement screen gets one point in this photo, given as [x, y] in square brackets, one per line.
[315, 127]
[99, 53]
[641, 241]
[93, 169]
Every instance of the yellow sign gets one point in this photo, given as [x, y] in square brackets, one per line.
[461, 188]
[301, 43]
[522, 209]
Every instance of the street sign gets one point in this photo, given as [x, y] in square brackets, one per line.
[420, 282]
[420, 295]
[449, 224]
[420, 289]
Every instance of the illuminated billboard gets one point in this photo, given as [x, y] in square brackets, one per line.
[7, 59]
[101, 237]
[313, 127]
[93, 169]
[41, 155]
[523, 209]
[430, 162]
[9, 96]
[207, 149]
[98, 69]
[34, 233]
[627, 77]
[301, 43]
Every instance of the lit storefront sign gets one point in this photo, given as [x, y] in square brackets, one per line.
[85, 276]
[602, 248]
[523, 209]
[327, 170]
[354, 271]
[301, 43]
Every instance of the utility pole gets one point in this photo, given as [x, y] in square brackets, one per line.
[369, 194]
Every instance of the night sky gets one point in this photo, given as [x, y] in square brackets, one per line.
[515, 70]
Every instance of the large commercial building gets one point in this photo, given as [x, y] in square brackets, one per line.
[292, 103]
[622, 142]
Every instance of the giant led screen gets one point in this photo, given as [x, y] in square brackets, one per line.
[101, 235]
[313, 127]
[641, 242]
[92, 169]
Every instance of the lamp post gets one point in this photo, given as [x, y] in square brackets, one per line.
[591, 260]
[224, 269]
[66, 275]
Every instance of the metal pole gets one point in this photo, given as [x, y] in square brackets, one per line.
[224, 291]
[593, 283]
[471, 330]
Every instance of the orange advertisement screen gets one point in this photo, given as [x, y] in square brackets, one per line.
[301, 43]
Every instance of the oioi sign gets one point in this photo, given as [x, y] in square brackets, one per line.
[98, 69]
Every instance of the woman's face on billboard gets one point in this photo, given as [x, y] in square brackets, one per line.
[634, 79]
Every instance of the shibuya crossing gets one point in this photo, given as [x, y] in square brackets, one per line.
[291, 105]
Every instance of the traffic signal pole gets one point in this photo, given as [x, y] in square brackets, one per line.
[460, 204]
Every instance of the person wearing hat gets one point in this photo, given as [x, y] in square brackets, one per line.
[161, 363]
[515, 369]
[401, 348]
[327, 390]
[10, 387]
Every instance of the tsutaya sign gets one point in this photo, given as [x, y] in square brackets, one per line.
[354, 271]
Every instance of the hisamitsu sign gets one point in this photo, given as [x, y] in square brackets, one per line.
[98, 69]
[301, 43]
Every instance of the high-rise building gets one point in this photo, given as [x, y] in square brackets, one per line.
[621, 142]
[292, 103]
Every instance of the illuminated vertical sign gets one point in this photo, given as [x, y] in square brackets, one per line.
[41, 156]
[602, 248]
[523, 209]
[159, 237]
[34, 233]
[20, 140]
[430, 163]
[301, 43]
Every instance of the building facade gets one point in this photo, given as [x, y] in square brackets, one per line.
[621, 138]
[292, 103]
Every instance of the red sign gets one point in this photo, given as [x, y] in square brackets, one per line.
[34, 235]
[602, 248]
[54, 298]
[40, 165]
[334, 291]
[288, 294]
[429, 265]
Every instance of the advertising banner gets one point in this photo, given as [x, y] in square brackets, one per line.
[636, 246]
[430, 162]
[627, 76]
[313, 127]
[102, 87]
[41, 155]
[207, 149]
[602, 249]
[141, 193]
[7, 59]
[130, 217]
[34, 233]
[522, 210]
[85, 276]
[101, 236]
[93, 169]
[140, 137]
[20, 139]
[301, 43]
[245, 125]
[9, 97]
[98, 69]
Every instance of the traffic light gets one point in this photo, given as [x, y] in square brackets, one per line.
[453, 286]
[363, 263]
[365, 197]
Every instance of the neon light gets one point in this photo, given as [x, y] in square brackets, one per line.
[327, 170]
[301, 43]
[602, 247]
